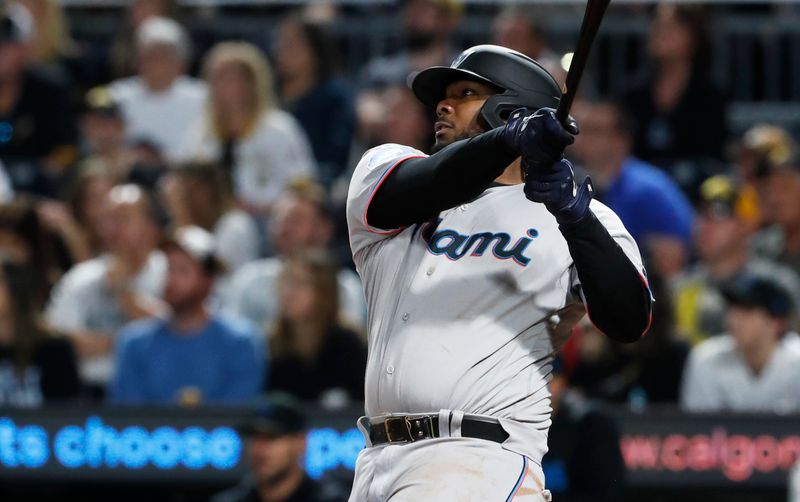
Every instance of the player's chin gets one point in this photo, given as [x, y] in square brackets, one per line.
[438, 145]
[442, 140]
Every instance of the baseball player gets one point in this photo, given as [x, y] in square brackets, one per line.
[476, 262]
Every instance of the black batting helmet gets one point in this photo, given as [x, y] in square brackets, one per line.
[521, 81]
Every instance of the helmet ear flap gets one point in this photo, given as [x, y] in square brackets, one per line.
[496, 110]
[491, 113]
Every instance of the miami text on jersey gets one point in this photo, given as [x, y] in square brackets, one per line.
[455, 245]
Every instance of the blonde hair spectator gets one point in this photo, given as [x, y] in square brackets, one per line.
[259, 146]
[51, 39]
[246, 59]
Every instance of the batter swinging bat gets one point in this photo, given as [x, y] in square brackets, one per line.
[595, 9]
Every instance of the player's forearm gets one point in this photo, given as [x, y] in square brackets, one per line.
[421, 188]
[618, 299]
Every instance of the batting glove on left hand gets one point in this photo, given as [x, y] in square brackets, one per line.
[539, 137]
[555, 188]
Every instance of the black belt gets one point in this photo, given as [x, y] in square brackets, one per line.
[410, 428]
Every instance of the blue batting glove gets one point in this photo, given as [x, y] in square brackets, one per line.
[555, 187]
[539, 137]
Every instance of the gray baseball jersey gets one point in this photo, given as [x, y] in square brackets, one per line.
[466, 312]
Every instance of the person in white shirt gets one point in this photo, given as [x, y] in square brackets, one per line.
[99, 296]
[300, 222]
[756, 365]
[197, 194]
[160, 103]
[262, 147]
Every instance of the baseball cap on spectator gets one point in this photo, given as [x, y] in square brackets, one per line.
[199, 244]
[164, 31]
[771, 145]
[760, 292]
[720, 197]
[16, 25]
[278, 415]
[99, 101]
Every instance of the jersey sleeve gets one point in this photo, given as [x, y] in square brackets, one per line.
[616, 229]
[620, 234]
[371, 171]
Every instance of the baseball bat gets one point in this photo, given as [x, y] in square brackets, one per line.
[592, 17]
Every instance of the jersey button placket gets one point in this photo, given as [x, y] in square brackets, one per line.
[390, 370]
[405, 317]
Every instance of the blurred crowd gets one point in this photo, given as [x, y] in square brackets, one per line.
[172, 230]
[173, 233]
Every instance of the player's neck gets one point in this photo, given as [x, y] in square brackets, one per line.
[512, 175]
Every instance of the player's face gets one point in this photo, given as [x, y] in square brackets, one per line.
[457, 113]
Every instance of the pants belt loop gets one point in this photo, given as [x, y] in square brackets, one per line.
[455, 423]
[444, 423]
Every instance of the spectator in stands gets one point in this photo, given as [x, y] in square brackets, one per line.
[427, 26]
[407, 120]
[301, 221]
[723, 231]
[518, 29]
[123, 50]
[306, 65]
[679, 112]
[583, 461]
[25, 240]
[762, 148]
[77, 221]
[275, 436]
[261, 147]
[756, 365]
[780, 189]
[652, 207]
[199, 194]
[314, 356]
[36, 366]
[390, 115]
[103, 134]
[161, 102]
[51, 44]
[99, 296]
[192, 356]
[37, 128]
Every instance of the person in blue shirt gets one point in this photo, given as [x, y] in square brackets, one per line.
[193, 356]
[649, 203]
